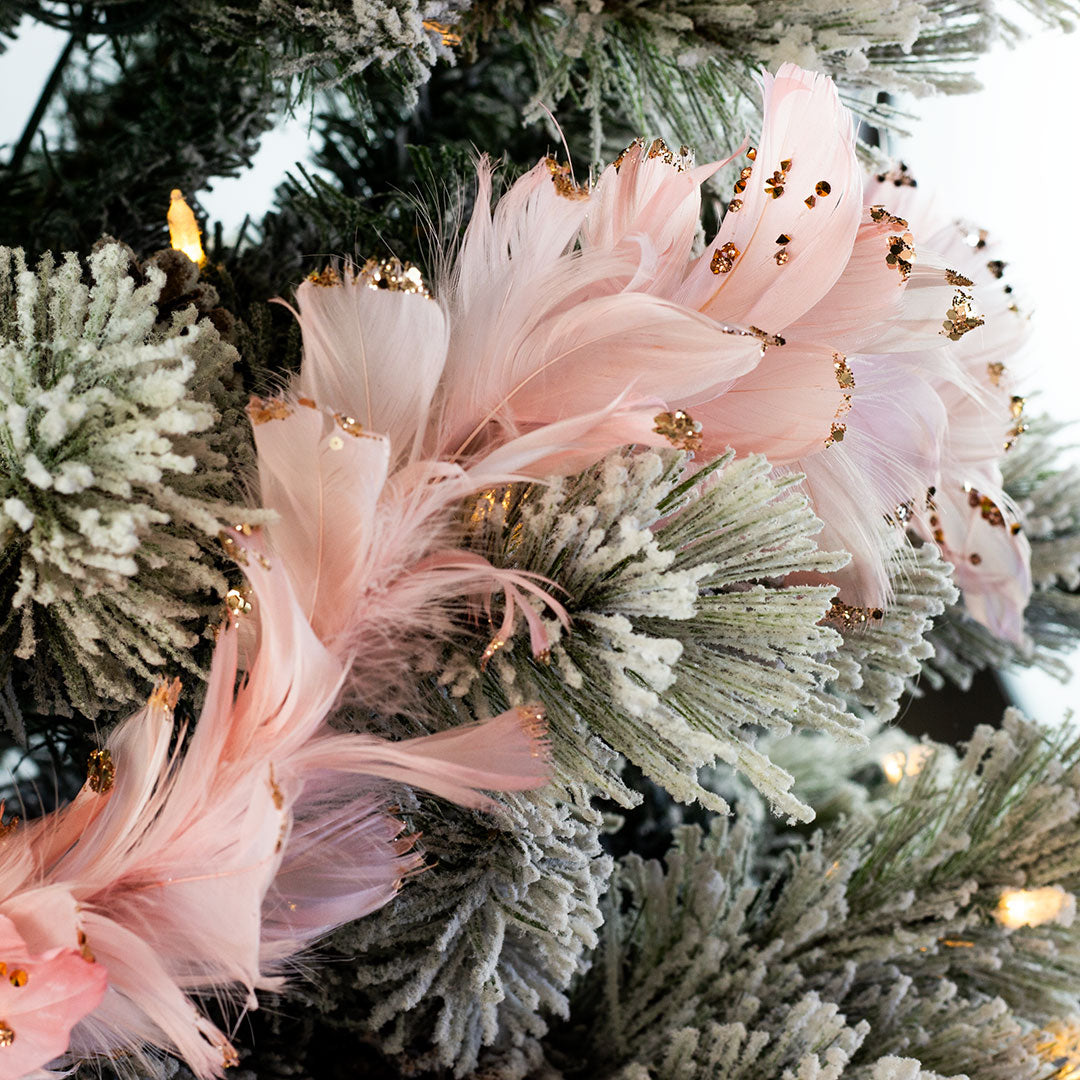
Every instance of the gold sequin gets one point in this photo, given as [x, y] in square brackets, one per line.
[975, 558]
[783, 238]
[493, 646]
[879, 215]
[679, 429]
[84, 948]
[810, 201]
[735, 205]
[996, 267]
[988, 509]
[7, 1034]
[995, 369]
[1016, 411]
[350, 425]
[774, 186]
[953, 277]
[785, 165]
[746, 173]
[960, 318]
[844, 375]
[739, 187]
[851, 617]
[901, 254]
[326, 278]
[563, 181]
[766, 339]
[823, 187]
[393, 275]
[232, 549]
[637, 144]
[836, 433]
[275, 791]
[263, 410]
[752, 153]
[18, 977]
[100, 771]
[165, 694]
[724, 258]
[781, 256]
[237, 603]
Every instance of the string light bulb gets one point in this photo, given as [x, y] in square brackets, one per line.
[1034, 907]
[1059, 1046]
[898, 764]
[184, 234]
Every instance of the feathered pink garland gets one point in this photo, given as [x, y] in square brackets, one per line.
[571, 322]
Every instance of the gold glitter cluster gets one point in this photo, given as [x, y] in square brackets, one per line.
[263, 410]
[679, 161]
[744, 174]
[954, 277]
[1016, 411]
[850, 617]
[901, 254]
[679, 429]
[393, 275]
[326, 278]
[564, 182]
[845, 379]
[989, 511]
[723, 258]
[100, 772]
[765, 338]
[879, 215]
[960, 318]
[774, 186]
[165, 694]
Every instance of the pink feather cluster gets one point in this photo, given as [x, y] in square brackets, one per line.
[834, 325]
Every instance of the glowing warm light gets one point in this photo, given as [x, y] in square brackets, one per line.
[184, 229]
[1033, 907]
[1059, 1045]
[449, 37]
[897, 765]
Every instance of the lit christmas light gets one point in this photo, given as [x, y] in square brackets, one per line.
[1034, 907]
[184, 232]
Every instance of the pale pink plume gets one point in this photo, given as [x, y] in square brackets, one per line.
[42, 996]
[544, 331]
[371, 555]
[805, 183]
[373, 353]
[181, 877]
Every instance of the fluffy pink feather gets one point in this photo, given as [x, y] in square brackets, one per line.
[173, 875]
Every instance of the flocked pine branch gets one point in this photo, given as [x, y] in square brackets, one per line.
[685, 638]
[893, 936]
[1047, 490]
[883, 652]
[686, 70]
[477, 951]
[115, 466]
